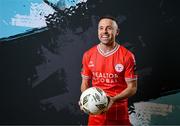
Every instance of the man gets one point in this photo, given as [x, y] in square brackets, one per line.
[111, 67]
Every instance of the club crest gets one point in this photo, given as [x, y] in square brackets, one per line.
[119, 67]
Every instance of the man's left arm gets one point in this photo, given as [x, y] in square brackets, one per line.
[128, 92]
[130, 78]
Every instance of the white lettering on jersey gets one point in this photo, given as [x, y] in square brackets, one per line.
[105, 77]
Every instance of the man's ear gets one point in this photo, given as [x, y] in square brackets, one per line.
[118, 31]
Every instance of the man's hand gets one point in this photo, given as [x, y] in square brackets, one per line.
[110, 102]
[80, 106]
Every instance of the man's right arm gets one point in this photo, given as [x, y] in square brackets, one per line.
[84, 84]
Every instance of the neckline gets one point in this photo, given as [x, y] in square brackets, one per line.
[109, 52]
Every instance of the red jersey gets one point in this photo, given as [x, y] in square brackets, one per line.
[110, 72]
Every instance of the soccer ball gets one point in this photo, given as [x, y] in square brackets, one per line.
[93, 100]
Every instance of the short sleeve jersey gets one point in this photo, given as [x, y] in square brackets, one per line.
[109, 71]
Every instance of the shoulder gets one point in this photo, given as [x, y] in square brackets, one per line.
[91, 51]
[126, 52]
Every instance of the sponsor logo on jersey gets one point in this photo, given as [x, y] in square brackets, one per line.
[119, 68]
[105, 77]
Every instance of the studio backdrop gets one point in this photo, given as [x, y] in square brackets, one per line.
[41, 47]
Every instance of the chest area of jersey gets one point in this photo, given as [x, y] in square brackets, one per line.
[112, 64]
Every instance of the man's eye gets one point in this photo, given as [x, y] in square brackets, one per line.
[109, 28]
[100, 28]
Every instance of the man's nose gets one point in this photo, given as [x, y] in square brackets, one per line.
[105, 30]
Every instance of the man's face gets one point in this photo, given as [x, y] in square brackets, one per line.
[107, 31]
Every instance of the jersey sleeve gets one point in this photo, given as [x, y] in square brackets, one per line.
[85, 71]
[130, 70]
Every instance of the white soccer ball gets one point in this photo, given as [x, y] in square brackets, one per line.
[93, 100]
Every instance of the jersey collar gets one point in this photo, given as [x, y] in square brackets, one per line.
[109, 52]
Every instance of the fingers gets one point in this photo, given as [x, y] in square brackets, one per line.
[104, 111]
[80, 105]
[108, 97]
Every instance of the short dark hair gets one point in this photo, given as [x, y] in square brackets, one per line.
[109, 17]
